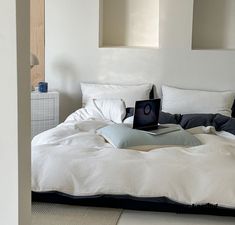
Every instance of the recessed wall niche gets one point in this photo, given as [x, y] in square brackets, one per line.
[129, 23]
[214, 24]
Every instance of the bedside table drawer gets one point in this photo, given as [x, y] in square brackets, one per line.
[40, 126]
[44, 111]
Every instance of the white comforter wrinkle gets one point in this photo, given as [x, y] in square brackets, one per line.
[100, 109]
[74, 160]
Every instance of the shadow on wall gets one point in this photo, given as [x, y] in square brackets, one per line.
[222, 9]
[117, 11]
[66, 81]
[211, 30]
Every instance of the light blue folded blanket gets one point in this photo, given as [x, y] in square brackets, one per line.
[122, 136]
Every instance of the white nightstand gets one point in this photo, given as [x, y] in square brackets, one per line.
[44, 111]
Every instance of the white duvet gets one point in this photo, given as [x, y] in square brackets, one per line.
[74, 160]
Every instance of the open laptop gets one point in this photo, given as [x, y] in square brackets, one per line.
[146, 117]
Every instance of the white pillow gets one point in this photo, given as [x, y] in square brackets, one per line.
[181, 101]
[100, 109]
[111, 109]
[128, 93]
[129, 121]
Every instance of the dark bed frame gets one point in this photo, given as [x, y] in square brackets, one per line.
[160, 204]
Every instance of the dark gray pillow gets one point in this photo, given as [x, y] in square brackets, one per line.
[233, 110]
[187, 121]
[169, 118]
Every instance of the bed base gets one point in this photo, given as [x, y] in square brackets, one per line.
[161, 204]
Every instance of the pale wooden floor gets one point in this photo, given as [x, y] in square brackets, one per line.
[129, 217]
[156, 218]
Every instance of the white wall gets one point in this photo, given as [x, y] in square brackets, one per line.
[73, 56]
[15, 113]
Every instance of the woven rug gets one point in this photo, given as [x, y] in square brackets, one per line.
[56, 214]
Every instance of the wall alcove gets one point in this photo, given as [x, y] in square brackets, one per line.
[129, 23]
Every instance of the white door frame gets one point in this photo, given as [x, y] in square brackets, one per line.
[15, 163]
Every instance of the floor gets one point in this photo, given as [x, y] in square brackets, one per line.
[156, 218]
[129, 217]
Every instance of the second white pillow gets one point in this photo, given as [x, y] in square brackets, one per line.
[183, 101]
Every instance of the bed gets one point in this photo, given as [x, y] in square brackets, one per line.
[74, 164]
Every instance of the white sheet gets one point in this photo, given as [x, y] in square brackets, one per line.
[73, 159]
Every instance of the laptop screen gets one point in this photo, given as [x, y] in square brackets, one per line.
[146, 114]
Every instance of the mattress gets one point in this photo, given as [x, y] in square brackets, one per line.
[73, 160]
